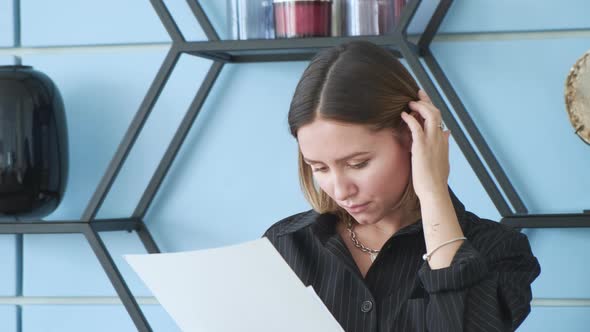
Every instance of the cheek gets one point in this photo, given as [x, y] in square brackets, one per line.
[352, 179]
[322, 181]
[372, 185]
[384, 179]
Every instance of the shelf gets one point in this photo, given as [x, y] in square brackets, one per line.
[562, 220]
[419, 60]
[69, 226]
[292, 49]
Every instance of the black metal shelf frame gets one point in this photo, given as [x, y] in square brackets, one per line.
[419, 58]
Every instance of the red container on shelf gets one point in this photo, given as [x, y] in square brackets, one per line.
[302, 18]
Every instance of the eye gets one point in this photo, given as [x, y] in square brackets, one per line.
[359, 165]
[318, 169]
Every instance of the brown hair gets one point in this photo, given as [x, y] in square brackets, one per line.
[359, 83]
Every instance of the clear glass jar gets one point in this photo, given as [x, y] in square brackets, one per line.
[338, 17]
[362, 17]
[251, 19]
[372, 17]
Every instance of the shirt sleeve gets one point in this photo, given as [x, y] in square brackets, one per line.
[477, 293]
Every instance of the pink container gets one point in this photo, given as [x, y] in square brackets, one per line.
[302, 18]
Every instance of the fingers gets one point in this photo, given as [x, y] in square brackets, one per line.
[431, 114]
[428, 111]
[423, 96]
[414, 125]
[447, 135]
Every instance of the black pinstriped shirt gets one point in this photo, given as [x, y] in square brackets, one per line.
[486, 288]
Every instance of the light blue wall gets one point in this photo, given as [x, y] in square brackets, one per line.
[8, 321]
[72, 22]
[91, 318]
[515, 15]
[557, 319]
[239, 160]
[6, 24]
[514, 92]
[7, 265]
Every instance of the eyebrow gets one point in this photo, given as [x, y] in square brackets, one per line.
[339, 160]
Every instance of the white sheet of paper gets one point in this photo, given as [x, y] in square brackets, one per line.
[244, 287]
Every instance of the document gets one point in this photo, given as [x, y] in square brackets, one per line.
[244, 287]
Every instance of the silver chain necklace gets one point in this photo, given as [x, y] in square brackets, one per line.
[372, 252]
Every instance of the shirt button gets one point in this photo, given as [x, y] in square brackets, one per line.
[366, 306]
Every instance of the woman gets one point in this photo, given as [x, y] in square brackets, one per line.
[388, 246]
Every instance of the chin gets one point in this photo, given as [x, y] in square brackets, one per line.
[366, 219]
[369, 217]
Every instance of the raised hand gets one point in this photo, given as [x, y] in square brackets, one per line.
[430, 147]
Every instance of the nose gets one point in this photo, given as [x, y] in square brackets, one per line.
[343, 187]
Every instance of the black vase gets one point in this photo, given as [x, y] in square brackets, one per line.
[33, 143]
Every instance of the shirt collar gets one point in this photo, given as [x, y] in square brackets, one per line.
[323, 224]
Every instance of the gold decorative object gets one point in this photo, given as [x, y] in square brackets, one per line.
[577, 97]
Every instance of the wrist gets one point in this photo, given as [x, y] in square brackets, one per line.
[435, 196]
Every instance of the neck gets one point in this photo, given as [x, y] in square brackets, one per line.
[388, 225]
[375, 235]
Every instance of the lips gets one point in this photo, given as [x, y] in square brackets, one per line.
[357, 207]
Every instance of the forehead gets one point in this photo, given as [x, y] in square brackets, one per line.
[326, 140]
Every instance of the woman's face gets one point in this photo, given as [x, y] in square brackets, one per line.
[363, 171]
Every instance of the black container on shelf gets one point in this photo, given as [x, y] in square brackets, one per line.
[33, 143]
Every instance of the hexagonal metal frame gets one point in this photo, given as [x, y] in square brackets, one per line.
[243, 51]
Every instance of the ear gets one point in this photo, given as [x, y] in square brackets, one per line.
[404, 136]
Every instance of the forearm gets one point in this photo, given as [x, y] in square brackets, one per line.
[440, 225]
[482, 289]
[463, 297]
